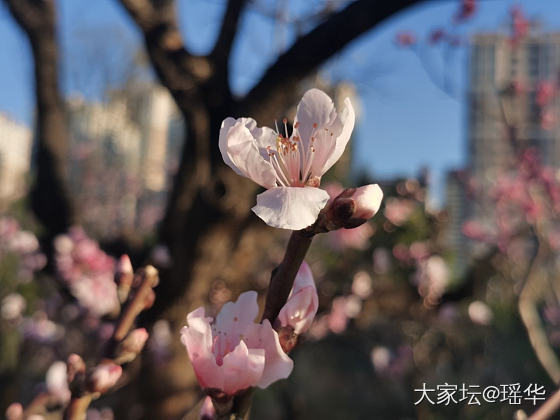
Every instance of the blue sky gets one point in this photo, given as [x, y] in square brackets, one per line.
[406, 120]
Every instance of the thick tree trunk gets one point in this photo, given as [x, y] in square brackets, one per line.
[49, 196]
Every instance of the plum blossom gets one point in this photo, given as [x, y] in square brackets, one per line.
[340, 239]
[207, 411]
[88, 271]
[56, 381]
[234, 353]
[289, 167]
[302, 305]
[104, 376]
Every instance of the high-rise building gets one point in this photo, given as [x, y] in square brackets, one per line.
[120, 158]
[15, 158]
[512, 77]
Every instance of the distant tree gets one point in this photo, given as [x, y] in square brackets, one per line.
[207, 226]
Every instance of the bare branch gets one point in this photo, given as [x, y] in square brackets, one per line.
[224, 43]
[275, 89]
[181, 72]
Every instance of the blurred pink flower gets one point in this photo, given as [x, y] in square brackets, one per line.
[57, 383]
[88, 272]
[14, 411]
[207, 411]
[234, 353]
[104, 376]
[302, 305]
[432, 278]
[548, 119]
[338, 317]
[290, 168]
[398, 210]
[12, 306]
[466, 10]
[405, 39]
[480, 313]
[520, 25]
[545, 92]
[436, 36]
[361, 285]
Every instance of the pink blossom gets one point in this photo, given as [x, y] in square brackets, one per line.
[545, 92]
[234, 353]
[207, 411]
[480, 313]
[520, 25]
[340, 239]
[433, 279]
[436, 36]
[132, 345]
[361, 284]
[289, 167]
[12, 306]
[398, 210]
[548, 119]
[466, 10]
[104, 376]
[302, 305]
[367, 200]
[14, 412]
[338, 318]
[57, 383]
[405, 39]
[88, 272]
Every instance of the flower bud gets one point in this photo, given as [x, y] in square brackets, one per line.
[132, 345]
[14, 411]
[124, 276]
[302, 305]
[103, 377]
[207, 411]
[367, 200]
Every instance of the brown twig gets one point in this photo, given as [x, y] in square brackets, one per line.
[550, 406]
[142, 297]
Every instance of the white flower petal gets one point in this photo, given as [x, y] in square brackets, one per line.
[347, 120]
[292, 208]
[241, 153]
[277, 365]
[314, 108]
[242, 368]
[232, 321]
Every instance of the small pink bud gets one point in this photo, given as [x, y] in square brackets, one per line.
[104, 376]
[124, 266]
[74, 366]
[14, 411]
[207, 411]
[132, 345]
[367, 199]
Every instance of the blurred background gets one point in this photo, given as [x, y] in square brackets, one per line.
[109, 120]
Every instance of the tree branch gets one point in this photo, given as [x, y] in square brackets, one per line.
[275, 89]
[181, 72]
[222, 49]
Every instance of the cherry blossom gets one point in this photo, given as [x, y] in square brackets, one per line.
[234, 353]
[289, 167]
[302, 305]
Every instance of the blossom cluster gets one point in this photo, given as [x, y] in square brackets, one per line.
[234, 352]
[87, 271]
